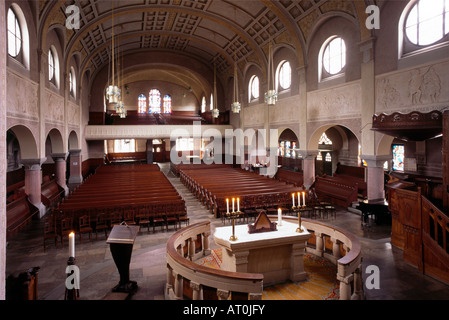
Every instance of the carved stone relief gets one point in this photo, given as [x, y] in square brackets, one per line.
[334, 103]
[22, 97]
[54, 106]
[73, 114]
[254, 115]
[419, 87]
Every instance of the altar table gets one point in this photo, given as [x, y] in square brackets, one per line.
[278, 255]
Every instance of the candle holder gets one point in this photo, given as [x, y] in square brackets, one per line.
[233, 215]
[300, 228]
[74, 293]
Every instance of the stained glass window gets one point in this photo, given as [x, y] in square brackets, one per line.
[328, 157]
[167, 103]
[142, 103]
[324, 139]
[155, 101]
[14, 34]
[398, 157]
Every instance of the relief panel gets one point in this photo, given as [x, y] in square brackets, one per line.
[22, 97]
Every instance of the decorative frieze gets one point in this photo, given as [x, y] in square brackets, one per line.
[22, 97]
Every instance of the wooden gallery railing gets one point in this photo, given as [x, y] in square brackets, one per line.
[188, 280]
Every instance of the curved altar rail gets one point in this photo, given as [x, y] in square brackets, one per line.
[188, 280]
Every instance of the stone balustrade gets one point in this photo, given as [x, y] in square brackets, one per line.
[188, 280]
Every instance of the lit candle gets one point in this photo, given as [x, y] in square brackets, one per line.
[279, 216]
[304, 198]
[238, 204]
[233, 204]
[299, 199]
[227, 205]
[293, 199]
[72, 244]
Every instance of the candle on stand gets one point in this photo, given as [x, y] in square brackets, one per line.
[233, 200]
[238, 204]
[304, 198]
[299, 199]
[227, 205]
[293, 199]
[72, 244]
[279, 217]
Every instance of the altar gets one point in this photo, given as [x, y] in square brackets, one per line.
[278, 255]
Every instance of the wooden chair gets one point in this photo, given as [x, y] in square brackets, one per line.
[65, 227]
[129, 216]
[115, 218]
[158, 217]
[101, 224]
[84, 226]
[50, 229]
[143, 217]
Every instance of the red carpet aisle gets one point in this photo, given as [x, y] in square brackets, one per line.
[321, 283]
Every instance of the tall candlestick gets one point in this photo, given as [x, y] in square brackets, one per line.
[293, 199]
[238, 204]
[72, 244]
[299, 199]
[303, 198]
[233, 204]
[279, 217]
[227, 205]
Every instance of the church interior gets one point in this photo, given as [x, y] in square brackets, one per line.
[224, 150]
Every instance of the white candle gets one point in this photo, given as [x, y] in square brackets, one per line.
[238, 204]
[227, 205]
[71, 244]
[299, 199]
[233, 204]
[279, 216]
[304, 198]
[293, 199]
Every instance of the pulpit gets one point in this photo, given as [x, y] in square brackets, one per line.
[121, 241]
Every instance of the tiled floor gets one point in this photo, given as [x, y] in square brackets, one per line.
[99, 275]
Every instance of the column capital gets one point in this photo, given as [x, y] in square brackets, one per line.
[308, 154]
[75, 152]
[33, 164]
[60, 156]
[373, 160]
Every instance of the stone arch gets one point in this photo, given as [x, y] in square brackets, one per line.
[73, 141]
[27, 142]
[384, 145]
[56, 140]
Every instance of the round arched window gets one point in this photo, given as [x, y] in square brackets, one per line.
[334, 56]
[427, 22]
[254, 88]
[14, 34]
[51, 65]
[285, 75]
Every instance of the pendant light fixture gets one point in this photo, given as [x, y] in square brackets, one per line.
[271, 95]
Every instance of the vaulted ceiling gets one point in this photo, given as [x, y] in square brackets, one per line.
[220, 31]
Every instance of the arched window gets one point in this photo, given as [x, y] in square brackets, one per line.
[155, 101]
[51, 65]
[14, 34]
[328, 157]
[324, 139]
[319, 157]
[284, 75]
[427, 22]
[203, 104]
[332, 57]
[211, 101]
[72, 82]
[167, 103]
[142, 103]
[253, 88]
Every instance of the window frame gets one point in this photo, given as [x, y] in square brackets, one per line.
[279, 77]
[251, 96]
[16, 25]
[325, 74]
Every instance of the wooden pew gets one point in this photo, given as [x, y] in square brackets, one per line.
[19, 214]
[51, 193]
[293, 177]
[335, 191]
[354, 174]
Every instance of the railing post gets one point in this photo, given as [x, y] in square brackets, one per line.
[255, 296]
[197, 290]
[319, 244]
[345, 286]
[178, 286]
[336, 248]
[206, 247]
[358, 284]
[169, 279]
[191, 244]
[222, 294]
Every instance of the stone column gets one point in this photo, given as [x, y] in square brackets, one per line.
[206, 246]
[375, 177]
[345, 287]
[149, 151]
[61, 168]
[33, 182]
[319, 244]
[178, 285]
[197, 291]
[308, 166]
[76, 176]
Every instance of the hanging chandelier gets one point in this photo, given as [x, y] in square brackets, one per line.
[112, 92]
[235, 106]
[271, 95]
[215, 111]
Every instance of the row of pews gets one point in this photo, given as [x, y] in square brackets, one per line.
[213, 185]
[131, 193]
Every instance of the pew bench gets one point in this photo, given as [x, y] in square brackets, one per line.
[18, 215]
[336, 192]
